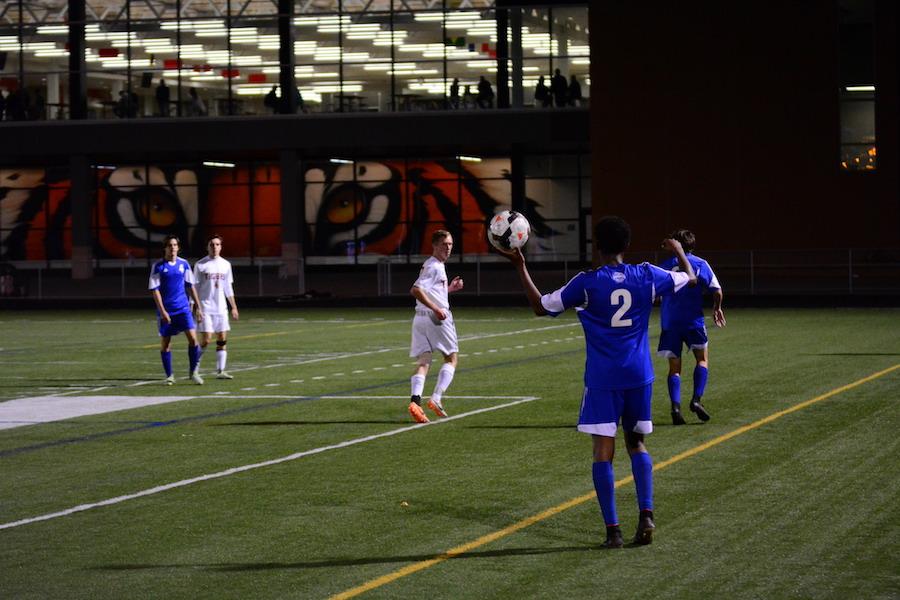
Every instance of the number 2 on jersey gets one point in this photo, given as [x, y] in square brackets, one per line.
[622, 299]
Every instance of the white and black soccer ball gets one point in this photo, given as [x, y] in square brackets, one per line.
[508, 229]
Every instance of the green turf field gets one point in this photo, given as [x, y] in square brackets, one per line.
[800, 506]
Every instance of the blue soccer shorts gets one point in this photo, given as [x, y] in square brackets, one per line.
[180, 322]
[601, 410]
[671, 341]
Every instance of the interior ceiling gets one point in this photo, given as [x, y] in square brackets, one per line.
[54, 11]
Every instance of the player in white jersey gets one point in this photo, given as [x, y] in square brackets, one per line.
[433, 327]
[215, 286]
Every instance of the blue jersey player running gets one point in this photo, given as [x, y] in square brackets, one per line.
[682, 325]
[613, 303]
[168, 279]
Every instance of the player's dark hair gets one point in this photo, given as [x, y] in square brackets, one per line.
[438, 235]
[170, 237]
[215, 236]
[686, 237]
[612, 235]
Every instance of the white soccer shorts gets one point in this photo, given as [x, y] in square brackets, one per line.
[214, 323]
[431, 335]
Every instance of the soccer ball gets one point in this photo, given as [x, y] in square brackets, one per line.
[508, 229]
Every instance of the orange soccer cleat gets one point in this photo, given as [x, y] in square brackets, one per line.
[437, 408]
[417, 413]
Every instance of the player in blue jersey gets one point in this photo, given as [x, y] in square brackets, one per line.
[613, 303]
[682, 325]
[168, 279]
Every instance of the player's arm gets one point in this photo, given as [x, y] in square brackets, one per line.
[190, 282]
[531, 292]
[423, 297]
[718, 315]
[196, 299]
[157, 298]
[674, 246]
[229, 295]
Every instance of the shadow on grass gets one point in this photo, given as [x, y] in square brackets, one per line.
[293, 423]
[567, 426]
[345, 562]
[70, 382]
[852, 354]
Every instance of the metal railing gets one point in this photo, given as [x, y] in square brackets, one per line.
[845, 271]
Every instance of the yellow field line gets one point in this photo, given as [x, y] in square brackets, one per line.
[550, 512]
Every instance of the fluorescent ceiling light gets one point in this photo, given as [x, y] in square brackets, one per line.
[340, 161]
[216, 163]
[860, 88]
[465, 158]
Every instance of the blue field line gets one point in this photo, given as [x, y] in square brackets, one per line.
[236, 411]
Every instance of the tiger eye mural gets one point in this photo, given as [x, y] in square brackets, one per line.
[372, 207]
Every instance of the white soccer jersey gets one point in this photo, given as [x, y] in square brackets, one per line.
[214, 284]
[433, 281]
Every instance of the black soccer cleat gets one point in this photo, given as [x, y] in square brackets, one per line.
[416, 399]
[644, 534]
[677, 418]
[613, 537]
[698, 409]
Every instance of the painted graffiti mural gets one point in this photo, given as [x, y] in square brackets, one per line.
[372, 207]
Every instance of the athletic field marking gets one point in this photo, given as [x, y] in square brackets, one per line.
[550, 512]
[46, 409]
[268, 463]
[347, 354]
[258, 407]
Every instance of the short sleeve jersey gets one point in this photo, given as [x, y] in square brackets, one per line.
[214, 284]
[433, 281]
[613, 304]
[170, 278]
[684, 310]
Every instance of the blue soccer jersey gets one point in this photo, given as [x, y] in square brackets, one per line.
[684, 310]
[170, 278]
[614, 305]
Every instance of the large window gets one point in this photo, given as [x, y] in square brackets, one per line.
[221, 57]
[857, 93]
[355, 211]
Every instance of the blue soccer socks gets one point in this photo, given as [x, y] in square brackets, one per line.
[700, 376]
[642, 470]
[674, 382]
[193, 358]
[167, 362]
[605, 486]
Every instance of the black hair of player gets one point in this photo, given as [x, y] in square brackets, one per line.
[171, 237]
[686, 237]
[215, 236]
[438, 236]
[612, 235]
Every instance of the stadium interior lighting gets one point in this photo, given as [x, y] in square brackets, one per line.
[466, 158]
[216, 163]
[340, 161]
[860, 88]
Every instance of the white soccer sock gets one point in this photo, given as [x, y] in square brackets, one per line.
[221, 357]
[417, 383]
[445, 376]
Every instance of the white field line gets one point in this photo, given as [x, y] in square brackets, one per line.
[339, 356]
[268, 463]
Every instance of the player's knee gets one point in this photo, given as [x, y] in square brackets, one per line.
[703, 363]
[634, 441]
